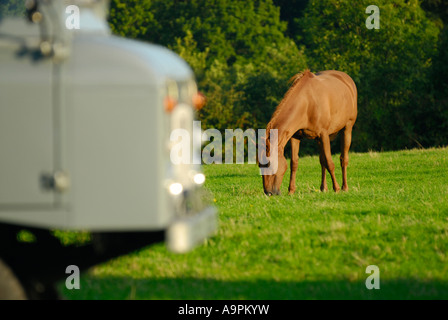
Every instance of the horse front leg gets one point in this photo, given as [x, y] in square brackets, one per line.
[295, 144]
[329, 164]
[323, 185]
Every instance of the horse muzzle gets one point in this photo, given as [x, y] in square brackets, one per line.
[272, 193]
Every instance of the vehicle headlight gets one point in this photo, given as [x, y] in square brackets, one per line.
[175, 188]
[199, 178]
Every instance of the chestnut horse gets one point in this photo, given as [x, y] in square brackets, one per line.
[316, 106]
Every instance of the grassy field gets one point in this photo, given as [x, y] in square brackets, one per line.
[310, 245]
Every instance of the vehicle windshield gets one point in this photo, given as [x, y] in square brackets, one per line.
[12, 8]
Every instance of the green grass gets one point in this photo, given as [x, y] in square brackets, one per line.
[310, 245]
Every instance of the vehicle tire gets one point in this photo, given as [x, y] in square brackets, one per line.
[10, 287]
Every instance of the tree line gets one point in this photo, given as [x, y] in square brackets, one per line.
[244, 52]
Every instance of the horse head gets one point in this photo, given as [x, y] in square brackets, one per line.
[272, 166]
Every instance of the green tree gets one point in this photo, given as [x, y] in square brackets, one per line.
[437, 8]
[12, 8]
[391, 65]
[435, 119]
[237, 49]
[291, 11]
[131, 18]
[232, 30]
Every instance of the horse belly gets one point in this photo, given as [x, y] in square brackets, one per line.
[305, 134]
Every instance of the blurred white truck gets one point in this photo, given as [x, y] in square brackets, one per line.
[85, 122]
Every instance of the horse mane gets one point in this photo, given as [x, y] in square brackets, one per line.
[295, 80]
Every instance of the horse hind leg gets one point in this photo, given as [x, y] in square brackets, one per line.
[346, 139]
[295, 144]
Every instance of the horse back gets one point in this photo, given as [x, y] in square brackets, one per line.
[332, 101]
[334, 75]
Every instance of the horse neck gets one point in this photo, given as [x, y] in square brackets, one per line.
[288, 120]
[281, 138]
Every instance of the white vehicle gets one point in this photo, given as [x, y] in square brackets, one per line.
[85, 123]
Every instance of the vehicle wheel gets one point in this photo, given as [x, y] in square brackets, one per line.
[10, 287]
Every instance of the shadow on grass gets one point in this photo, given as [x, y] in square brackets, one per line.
[119, 288]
